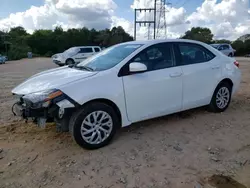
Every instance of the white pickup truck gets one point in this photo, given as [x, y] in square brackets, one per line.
[75, 55]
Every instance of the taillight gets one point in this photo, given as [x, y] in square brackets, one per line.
[236, 63]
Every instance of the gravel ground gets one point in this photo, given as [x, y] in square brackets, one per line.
[173, 151]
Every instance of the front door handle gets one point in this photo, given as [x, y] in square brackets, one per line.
[176, 74]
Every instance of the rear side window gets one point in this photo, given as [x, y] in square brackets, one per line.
[194, 53]
[97, 49]
[86, 50]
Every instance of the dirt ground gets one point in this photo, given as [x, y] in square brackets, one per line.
[170, 152]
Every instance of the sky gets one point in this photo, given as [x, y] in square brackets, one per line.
[228, 19]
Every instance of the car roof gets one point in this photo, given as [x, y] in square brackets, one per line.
[156, 41]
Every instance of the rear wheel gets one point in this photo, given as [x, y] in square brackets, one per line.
[94, 125]
[221, 97]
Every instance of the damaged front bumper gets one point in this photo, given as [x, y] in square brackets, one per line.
[58, 109]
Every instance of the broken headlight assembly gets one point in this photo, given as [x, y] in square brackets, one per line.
[42, 99]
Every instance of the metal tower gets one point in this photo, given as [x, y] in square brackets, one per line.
[161, 22]
[146, 22]
[158, 12]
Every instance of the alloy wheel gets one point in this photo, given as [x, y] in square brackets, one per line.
[96, 127]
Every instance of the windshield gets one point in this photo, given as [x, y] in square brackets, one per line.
[215, 45]
[109, 57]
[71, 51]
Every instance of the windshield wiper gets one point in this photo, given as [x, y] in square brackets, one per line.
[84, 68]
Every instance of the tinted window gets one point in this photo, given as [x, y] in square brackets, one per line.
[192, 53]
[97, 49]
[158, 56]
[86, 50]
[225, 47]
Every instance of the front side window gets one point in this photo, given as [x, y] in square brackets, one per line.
[109, 57]
[216, 46]
[71, 51]
[156, 57]
[193, 53]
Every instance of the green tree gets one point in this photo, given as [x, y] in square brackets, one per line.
[221, 41]
[200, 34]
[239, 46]
[48, 42]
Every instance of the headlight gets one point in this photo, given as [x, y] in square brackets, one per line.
[42, 98]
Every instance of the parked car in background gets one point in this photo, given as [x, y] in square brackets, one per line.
[6, 58]
[128, 83]
[2, 59]
[226, 49]
[75, 55]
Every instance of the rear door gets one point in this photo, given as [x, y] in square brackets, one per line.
[201, 71]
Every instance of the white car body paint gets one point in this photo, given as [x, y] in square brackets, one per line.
[144, 95]
[47, 80]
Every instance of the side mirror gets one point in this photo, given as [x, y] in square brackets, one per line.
[137, 67]
[220, 48]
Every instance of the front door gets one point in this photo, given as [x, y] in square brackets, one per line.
[158, 91]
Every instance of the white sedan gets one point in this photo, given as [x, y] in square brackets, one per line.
[128, 83]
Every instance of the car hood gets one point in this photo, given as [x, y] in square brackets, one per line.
[51, 79]
[59, 55]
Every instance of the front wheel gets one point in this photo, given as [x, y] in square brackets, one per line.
[70, 62]
[94, 125]
[221, 97]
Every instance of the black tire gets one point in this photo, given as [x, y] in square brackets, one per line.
[62, 125]
[213, 106]
[70, 62]
[78, 117]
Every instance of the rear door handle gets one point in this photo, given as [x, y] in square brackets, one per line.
[215, 67]
[176, 74]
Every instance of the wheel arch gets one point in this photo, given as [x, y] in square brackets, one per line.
[226, 80]
[69, 58]
[110, 103]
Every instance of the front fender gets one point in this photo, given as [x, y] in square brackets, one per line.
[99, 87]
